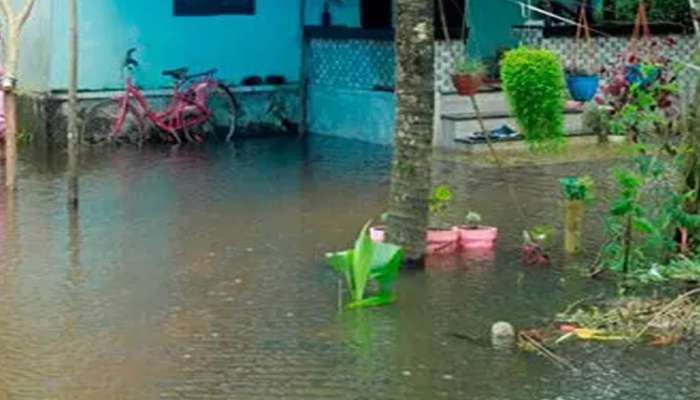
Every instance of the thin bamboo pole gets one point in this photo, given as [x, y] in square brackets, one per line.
[73, 135]
[303, 73]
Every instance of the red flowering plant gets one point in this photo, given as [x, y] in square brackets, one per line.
[640, 93]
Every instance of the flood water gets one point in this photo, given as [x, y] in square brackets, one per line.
[198, 273]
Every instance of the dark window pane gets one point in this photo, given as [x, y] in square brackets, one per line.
[376, 14]
[214, 7]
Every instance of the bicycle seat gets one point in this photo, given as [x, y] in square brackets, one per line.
[179, 73]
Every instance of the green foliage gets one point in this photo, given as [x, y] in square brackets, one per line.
[577, 188]
[645, 217]
[540, 235]
[368, 261]
[473, 219]
[440, 199]
[470, 67]
[681, 269]
[674, 11]
[646, 106]
[534, 84]
[24, 137]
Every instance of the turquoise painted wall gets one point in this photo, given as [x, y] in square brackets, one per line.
[491, 27]
[238, 45]
[35, 51]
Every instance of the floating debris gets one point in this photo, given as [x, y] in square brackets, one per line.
[657, 322]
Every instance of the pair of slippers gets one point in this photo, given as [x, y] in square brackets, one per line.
[269, 80]
[502, 133]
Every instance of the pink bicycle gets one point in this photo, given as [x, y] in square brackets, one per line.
[201, 107]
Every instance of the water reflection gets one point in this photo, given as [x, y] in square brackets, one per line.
[199, 273]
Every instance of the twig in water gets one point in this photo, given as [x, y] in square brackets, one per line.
[546, 353]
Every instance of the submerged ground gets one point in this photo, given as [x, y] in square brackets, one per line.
[199, 273]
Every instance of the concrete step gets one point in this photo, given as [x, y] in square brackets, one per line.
[489, 102]
[573, 125]
[459, 127]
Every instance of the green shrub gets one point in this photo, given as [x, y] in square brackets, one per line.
[533, 81]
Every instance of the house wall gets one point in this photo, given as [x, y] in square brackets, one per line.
[268, 43]
[35, 49]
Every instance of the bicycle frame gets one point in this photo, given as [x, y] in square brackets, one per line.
[187, 109]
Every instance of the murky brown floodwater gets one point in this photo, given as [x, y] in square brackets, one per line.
[199, 273]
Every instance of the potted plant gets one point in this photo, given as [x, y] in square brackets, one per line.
[536, 245]
[583, 83]
[365, 263]
[441, 237]
[378, 232]
[468, 76]
[474, 236]
[577, 191]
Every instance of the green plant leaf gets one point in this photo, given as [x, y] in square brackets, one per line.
[363, 254]
[643, 225]
[382, 299]
[341, 262]
[386, 265]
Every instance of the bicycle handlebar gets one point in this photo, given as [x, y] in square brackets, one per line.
[129, 61]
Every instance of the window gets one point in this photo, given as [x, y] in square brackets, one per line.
[377, 14]
[214, 7]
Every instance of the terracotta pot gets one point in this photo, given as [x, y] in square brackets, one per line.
[466, 84]
[442, 241]
[480, 238]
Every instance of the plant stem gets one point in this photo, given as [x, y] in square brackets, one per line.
[628, 245]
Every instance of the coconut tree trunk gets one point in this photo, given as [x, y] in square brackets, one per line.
[73, 135]
[12, 24]
[415, 86]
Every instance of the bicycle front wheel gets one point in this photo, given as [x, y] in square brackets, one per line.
[107, 122]
[224, 113]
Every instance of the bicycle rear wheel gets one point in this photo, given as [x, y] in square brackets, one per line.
[100, 120]
[224, 113]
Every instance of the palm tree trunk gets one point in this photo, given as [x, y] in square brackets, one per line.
[415, 86]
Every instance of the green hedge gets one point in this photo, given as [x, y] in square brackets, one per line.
[533, 81]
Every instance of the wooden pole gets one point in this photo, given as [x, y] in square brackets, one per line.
[303, 75]
[73, 135]
[12, 27]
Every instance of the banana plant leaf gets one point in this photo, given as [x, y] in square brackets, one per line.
[341, 262]
[367, 261]
[379, 300]
[386, 264]
[362, 256]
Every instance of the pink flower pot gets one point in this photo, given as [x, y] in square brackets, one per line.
[377, 233]
[442, 241]
[439, 241]
[481, 238]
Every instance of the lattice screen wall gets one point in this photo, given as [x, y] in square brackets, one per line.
[362, 64]
[608, 50]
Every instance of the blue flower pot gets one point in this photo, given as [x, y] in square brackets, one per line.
[634, 74]
[583, 88]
